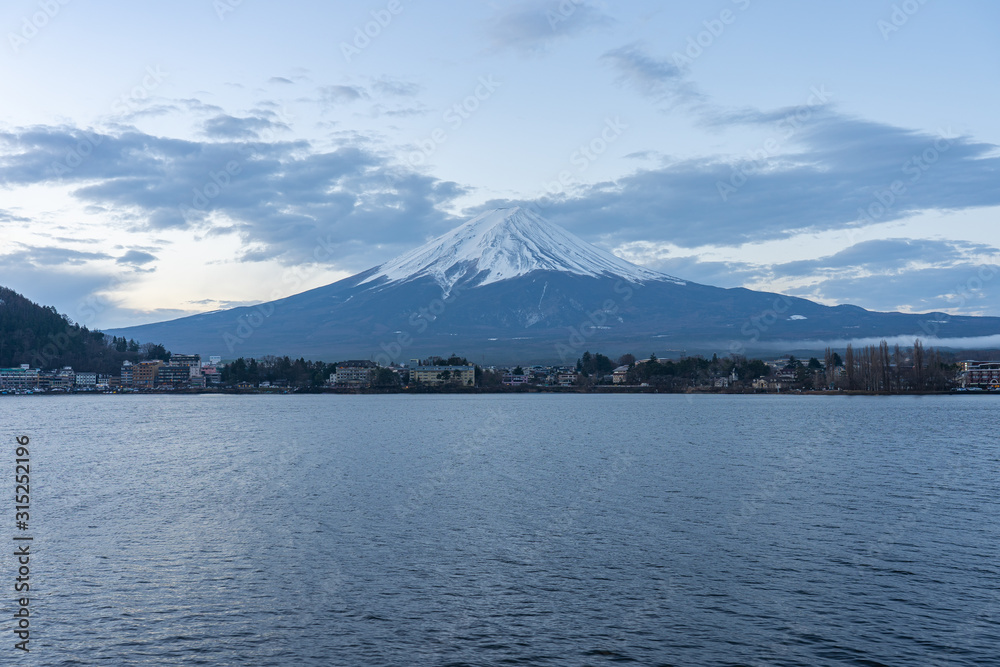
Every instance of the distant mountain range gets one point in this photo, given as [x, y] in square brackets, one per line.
[510, 287]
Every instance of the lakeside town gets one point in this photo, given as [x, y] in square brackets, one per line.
[43, 352]
[873, 369]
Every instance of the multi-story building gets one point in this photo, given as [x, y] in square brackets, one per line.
[61, 380]
[186, 359]
[355, 374]
[48, 380]
[191, 361]
[769, 384]
[88, 380]
[515, 379]
[173, 375]
[567, 379]
[212, 375]
[65, 379]
[20, 379]
[126, 374]
[437, 375]
[981, 375]
[144, 374]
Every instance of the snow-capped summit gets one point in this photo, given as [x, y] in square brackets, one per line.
[507, 243]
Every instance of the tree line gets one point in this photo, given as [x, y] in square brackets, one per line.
[876, 368]
[873, 368]
[296, 373]
[670, 373]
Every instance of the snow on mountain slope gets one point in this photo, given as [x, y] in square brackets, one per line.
[504, 244]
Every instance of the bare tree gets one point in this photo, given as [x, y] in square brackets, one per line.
[918, 364]
[897, 358]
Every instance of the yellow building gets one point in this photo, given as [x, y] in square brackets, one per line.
[144, 374]
[437, 375]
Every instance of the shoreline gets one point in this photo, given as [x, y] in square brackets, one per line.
[491, 391]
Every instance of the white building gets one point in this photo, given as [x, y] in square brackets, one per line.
[567, 379]
[67, 377]
[355, 373]
[192, 361]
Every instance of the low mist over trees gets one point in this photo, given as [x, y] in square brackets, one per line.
[694, 370]
[877, 368]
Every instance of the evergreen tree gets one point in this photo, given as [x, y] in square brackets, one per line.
[41, 337]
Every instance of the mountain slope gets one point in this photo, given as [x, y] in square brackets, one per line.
[509, 287]
[503, 244]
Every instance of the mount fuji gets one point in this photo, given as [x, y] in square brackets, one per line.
[510, 287]
[505, 244]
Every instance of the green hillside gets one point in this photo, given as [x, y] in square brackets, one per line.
[40, 336]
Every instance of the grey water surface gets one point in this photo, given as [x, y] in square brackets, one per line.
[508, 530]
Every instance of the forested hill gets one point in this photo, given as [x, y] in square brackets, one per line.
[40, 336]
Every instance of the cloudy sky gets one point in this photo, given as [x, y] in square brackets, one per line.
[162, 159]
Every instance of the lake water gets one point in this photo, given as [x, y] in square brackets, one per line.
[508, 530]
